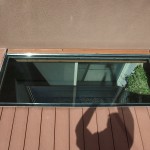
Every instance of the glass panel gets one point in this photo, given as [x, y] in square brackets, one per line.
[30, 82]
[56, 73]
[100, 72]
[97, 82]
[75, 83]
[51, 94]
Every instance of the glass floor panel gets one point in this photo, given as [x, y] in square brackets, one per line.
[79, 83]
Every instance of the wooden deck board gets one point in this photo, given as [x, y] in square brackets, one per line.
[104, 129]
[79, 51]
[19, 128]
[90, 129]
[62, 129]
[118, 129]
[47, 129]
[76, 129]
[33, 129]
[44, 128]
[144, 125]
[6, 124]
[132, 128]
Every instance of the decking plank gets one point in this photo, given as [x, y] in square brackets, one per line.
[132, 128]
[118, 128]
[106, 51]
[144, 125]
[19, 128]
[90, 129]
[34, 51]
[47, 129]
[148, 108]
[79, 51]
[33, 129]
[104, 129]
[6, 124]
[62, 129]
[76, 129]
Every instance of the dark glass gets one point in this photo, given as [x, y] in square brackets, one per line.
[78, 83]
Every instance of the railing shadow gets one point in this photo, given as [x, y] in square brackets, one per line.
[91, 137]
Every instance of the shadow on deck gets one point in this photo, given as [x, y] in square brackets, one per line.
[46, 128]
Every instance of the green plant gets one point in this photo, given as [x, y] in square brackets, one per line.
[137, 82]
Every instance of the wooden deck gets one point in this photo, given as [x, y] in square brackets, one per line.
[79, 51]
[47, 128]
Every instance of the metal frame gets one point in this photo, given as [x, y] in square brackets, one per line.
[75, 57]
[81, 56]
[74, 105]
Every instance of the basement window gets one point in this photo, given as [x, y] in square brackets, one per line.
[75, 80]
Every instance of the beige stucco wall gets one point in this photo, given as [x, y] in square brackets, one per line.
[119, 24]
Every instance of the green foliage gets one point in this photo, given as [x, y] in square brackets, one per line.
[137, 82]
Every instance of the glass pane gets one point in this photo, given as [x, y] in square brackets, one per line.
[75, 83]
[56, 73]
[109, 83]
[29, 82]
[101, 72]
